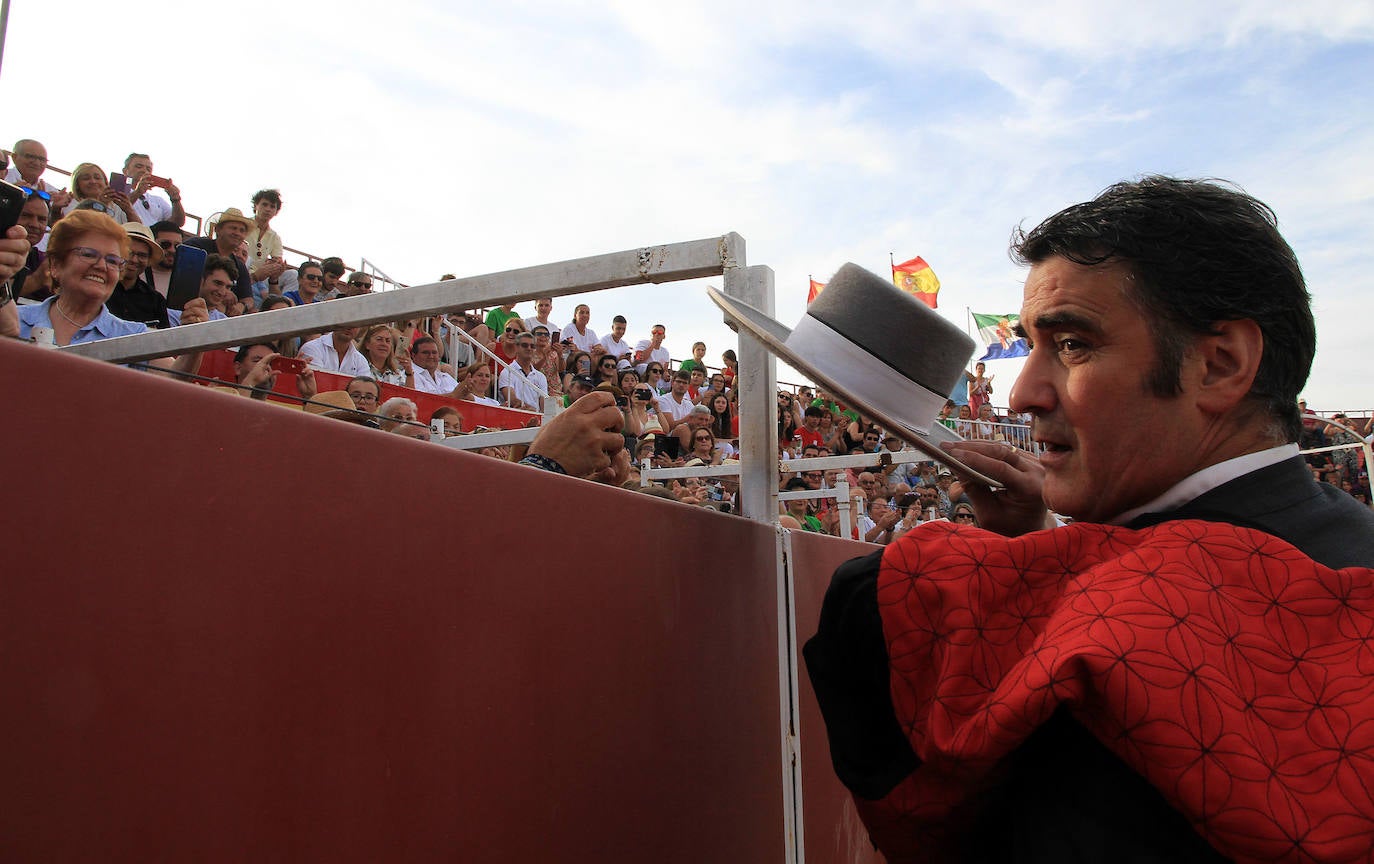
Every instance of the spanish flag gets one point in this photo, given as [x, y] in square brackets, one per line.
[916, 278]
[816, 289]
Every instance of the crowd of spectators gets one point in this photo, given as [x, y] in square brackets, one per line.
[98, 256]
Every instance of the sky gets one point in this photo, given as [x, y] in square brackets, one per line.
[434, 137]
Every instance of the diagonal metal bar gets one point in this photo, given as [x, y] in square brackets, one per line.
[692, 259]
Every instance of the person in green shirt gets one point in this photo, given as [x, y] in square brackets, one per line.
[497, 318]
[797, 507]
[698, 352]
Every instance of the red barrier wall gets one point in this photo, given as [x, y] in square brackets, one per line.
[220, 364]
[833, 831]
[230, 632]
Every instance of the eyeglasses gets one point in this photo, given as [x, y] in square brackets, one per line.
[968, 516]
[514, 330]
[363, 397]
[312, 277]
[608, 365]
[139, 255]
[655, 369]
[36, 193]
[32, 157]
[361, 284]
[91, 256]
[524, 344]
[812, 475]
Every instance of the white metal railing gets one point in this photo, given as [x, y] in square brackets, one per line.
[1014, 434]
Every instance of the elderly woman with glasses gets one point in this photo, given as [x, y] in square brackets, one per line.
[86, 253]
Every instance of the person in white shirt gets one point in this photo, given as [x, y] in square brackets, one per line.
[335, 352]
[429, 378]
[522, 385]
[615, 344]
[674, 406]
[152, 207]
[651, 350]
[543, 307]
[582, 337]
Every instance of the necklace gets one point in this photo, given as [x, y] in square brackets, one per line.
[58, 307]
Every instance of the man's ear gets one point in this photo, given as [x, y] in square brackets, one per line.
[1227, 361]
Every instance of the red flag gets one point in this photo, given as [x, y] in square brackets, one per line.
[816, 288]
[915, 277]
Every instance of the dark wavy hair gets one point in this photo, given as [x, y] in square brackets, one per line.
[1199, 252]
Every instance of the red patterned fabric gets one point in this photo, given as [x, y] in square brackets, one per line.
[1224, 666]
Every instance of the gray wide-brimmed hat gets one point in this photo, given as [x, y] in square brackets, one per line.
[879, 349]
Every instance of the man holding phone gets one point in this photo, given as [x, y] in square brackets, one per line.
[216, 290]
[615, 344]
[150, 205]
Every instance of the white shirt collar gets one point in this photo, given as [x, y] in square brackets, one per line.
[1209, 478]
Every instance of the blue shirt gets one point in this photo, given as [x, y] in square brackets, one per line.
[105, 325]
[174, 316]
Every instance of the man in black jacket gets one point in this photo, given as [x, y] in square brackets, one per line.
[1170, 333]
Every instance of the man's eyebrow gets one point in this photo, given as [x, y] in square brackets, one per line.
[1062, 321]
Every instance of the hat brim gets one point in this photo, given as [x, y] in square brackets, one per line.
[774, 336]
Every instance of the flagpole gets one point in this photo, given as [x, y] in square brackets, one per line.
[968, 312]
[892, 263]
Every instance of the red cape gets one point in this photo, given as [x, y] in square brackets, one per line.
[1228, 669]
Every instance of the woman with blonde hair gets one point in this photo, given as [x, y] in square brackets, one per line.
[91, 191]
[378, 346]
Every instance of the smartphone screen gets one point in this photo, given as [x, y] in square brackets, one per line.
[188, 267]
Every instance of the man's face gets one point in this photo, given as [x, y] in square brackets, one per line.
[137, 167]
[251, 359]
[342, 333]
[606, 365]
[543, 307]
[617, 330]
[34, 218]
[265, 210]
[813, 422]
[169, 241]
[331, 280]
[867, 482]
[31, 160]
[139, 256]
[582, 316]
[698, 378]
[524, 350]
[871, 442]
[217, 289]
[656, 336]
[1110, 443]
[679, 386]
[360, 285]
[813, 479]
[426, 356]
[228, 235]
[310, 281]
